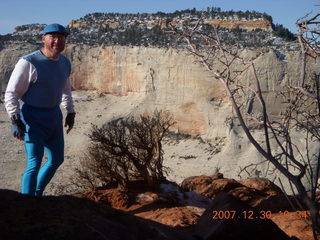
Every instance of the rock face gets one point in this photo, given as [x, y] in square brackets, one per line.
[163, 78]
[137, 79]
[67, 217]
[170, 79]
[143, 79]
[235, 205]
[166, 79]
[242, 24]
[8, 58]
[237, 227]
[260, 193]
[250, 25]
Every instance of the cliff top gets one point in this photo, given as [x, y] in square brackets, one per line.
[250, 29]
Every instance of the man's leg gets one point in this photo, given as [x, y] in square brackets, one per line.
[34, 153]
[54, 149]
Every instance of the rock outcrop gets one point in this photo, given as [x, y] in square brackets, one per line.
[260, 193]
[68, 217]
[8, 58]
[142, 79]
[235, 205]
[167, 79]
[237, 226]
[242, 24]
[170, 79]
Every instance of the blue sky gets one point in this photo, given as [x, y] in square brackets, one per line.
[19, 12]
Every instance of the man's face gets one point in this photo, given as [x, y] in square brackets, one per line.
[54, 42]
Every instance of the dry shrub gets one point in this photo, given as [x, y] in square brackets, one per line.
[124, 150]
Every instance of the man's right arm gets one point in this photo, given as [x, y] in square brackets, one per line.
[22, 75]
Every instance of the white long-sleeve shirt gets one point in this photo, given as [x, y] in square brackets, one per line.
[22, 76]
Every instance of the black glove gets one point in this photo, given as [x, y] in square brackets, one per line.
[18, 128]
[69, 121]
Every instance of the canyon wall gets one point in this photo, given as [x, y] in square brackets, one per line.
[9, 55]
[165, 79]
[172, 79]
[223, 22]
[241, 24]
[168, 79]
[143, 79]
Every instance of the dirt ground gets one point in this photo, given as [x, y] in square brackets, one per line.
[187, 157]
[184, 158]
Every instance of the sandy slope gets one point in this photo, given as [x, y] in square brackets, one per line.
[186, 157]
[91, 109]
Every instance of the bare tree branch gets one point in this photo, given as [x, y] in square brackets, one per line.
[303, 108]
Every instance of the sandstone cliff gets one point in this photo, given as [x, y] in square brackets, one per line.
[163, 78]
[143, 79]
[242, 24]
[172, 79]
[177, 22]
[166, 78]
[8, 58]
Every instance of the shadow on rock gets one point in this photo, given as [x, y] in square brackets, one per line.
[67, 217]
[228, 218]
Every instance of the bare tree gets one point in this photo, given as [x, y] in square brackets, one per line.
[124, 150]
[301, 116]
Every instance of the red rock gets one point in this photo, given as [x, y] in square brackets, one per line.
[257, 192]
[115, 197]
[168, 209]
[180, 216]
[262, 184]
[208, 186]
[248, 195]
[25, 217]
[294, 224]
[236, 226]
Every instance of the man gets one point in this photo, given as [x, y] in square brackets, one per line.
[41, 80]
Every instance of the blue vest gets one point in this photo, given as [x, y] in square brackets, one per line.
[52, 75]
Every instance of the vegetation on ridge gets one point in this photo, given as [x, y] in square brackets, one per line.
[144, 29]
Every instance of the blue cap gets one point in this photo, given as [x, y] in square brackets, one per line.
[55, 28]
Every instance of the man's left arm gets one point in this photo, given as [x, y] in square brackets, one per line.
[67, 103]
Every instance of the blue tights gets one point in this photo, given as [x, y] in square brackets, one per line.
[40, 138]
[35, 177]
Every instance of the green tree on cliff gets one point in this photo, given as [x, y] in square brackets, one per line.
[283, 32]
